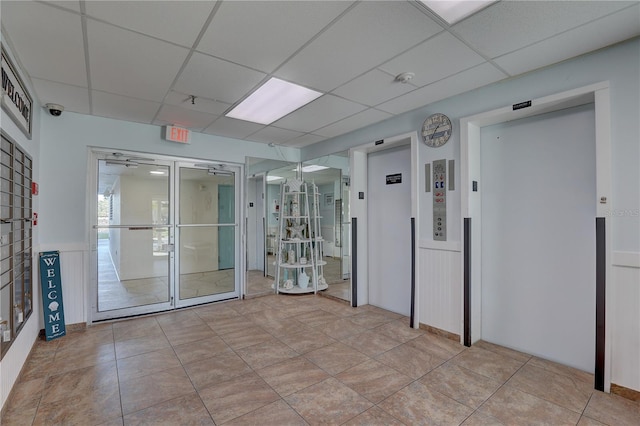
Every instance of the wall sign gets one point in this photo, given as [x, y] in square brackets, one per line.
[395, 178]
[440, 200]
[51, 284]
[177, 134]
[16, 101]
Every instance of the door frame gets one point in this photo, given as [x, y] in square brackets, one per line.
[358, 157]
[471, 201]
[91, 264]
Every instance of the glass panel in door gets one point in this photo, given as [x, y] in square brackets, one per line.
[133, 236]
[207, 235]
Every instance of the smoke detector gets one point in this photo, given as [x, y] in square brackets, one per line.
[405, 77]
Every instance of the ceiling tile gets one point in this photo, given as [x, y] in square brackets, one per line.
[273, 134]
[509, 25]
[466, 80]
[72, 98]
[305, 140]
[439, 57]
[603, 32]
[319, 113]
[123, 108]
[217, 79]
[232, 128]
[262, 31]
[51, 34]
[359, 89]
[116, 55]
[67, 4]
[199, 104]
[354, 122]
[182, 117]
[384, 30]
[176, 21]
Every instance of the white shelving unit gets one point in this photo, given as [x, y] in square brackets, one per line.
[296, 241]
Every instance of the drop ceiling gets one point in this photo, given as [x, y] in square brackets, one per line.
[188, 62]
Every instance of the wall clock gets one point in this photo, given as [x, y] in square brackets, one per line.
[436, 130]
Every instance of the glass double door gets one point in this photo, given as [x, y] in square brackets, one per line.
[166, 235]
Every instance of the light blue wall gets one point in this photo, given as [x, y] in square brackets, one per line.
[620, 65]
[67, 140]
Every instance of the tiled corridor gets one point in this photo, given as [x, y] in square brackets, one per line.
[283, 360]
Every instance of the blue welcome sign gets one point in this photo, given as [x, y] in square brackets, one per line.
[52, 295]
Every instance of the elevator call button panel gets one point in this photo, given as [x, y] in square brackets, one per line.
[439, 180]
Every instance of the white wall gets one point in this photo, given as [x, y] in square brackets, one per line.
[14, 359]
[440, 303]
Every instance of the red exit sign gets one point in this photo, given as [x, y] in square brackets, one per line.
[177, 134]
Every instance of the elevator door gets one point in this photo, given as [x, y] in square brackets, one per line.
[389, 229]
[538, 191]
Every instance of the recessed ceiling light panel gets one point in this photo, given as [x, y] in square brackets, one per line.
[454, 11]
[272, 101]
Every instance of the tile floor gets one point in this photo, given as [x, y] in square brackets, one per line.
[287, 360]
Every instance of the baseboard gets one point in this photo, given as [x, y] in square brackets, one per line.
[440, 332]
[631, 394]
[337, 299]
[80, 326]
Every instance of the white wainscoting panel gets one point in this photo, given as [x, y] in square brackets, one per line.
[440, 288]
[625, 327]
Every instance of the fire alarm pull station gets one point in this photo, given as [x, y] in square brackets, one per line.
[440, 200]
[34, 188]
[34, 221]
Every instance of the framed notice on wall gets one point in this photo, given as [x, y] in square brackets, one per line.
[16, 101]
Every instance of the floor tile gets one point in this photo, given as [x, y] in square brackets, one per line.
[284, 327]
[85, 339]
[316, 318]
[328, 402]
[136, 328]
[341, 328]
[556, 388]
[216, 369]
[116, 421]
[515, 407]
[612, 409]
[184, 410]
[26, 394]
[226, 325]
[307, 341]
[336, 358]
[511, 353]
[19, 417]
[179, 320]
[266, 353]
[480, 419]
[143, 392]
[416, 404]
[131, 347]
[374, 380]
[197, 351]
[586, 421]
[374, 416]
[93, 407]
[216, 312]
[233, 398]
[70, 358]
[489, 364]
[340, 309]
[147, 363]
[465, 386]
[246, 337]
[79, 382]
[276, 413]
[371, 319]
[570, 372]
[179, 336]
[410, 361]
[370, 342]
[437, 345]
[247, 306]
[399, 330]
[292, 375]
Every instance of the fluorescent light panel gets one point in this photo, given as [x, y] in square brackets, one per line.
[272, 101]
[453, 11]
[272, 178]
[157, 172]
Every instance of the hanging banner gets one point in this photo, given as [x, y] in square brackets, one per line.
[51, 284]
